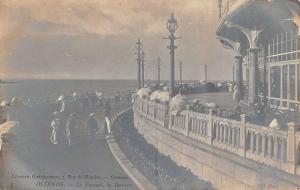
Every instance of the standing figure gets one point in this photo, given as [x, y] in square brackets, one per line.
[117, 97]
[93, 127]
[71, 127]
[107, 114]
[107, 108]
[235, 95]
[100, 98]
[55, 125]
[86, 103]
[106, 126]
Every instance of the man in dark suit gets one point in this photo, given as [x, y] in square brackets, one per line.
[93, 127]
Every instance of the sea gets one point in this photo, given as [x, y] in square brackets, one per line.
[51, 89]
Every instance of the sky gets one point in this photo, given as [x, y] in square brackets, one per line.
[95, 39]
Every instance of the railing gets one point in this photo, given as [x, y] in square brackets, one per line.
[227, 134]
[154, 111]
[273, 147]
[198, 126]
[267, 145]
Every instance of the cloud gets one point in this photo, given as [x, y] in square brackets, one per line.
[38, 32]
[103, 17]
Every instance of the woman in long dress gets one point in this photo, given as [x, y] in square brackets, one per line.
[55, 125]
[71, 127]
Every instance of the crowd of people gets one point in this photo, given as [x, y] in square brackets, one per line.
[69, 114]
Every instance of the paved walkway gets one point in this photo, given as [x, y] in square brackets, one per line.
[35, 163]
[225, 101]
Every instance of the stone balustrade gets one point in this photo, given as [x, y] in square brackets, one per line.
[227, 135]
[278, 148]
[154, 111]
[267, 145]
[197, 126]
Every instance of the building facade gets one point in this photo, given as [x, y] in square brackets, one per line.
[264, 37]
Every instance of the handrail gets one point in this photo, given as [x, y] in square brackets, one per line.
[267, 130]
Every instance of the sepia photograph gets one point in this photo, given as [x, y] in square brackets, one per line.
[149, 95]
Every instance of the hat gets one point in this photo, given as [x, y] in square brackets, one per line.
[60, 98]
[92, 114]
[72, 114]
[4, 103]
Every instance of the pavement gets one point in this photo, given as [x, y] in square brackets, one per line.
[35, 163]
[225, 101]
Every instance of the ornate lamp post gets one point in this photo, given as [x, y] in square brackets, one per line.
[139, 47]
[172, 26]
[143, 68]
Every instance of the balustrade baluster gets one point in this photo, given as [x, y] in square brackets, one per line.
[238, 137]
[270, 146]
[228, 135]
[205, 128]
[194, 126]
[225, 134]
[257, 143]
[197, 130]
[197, 127]
[222, 133]
[192, 130]
[251, 141]
[201, 127]
[234, 137]
[183, 122]
[263, 145]
[179, 122]
[276, 148]
[217, 132]
[283, 150]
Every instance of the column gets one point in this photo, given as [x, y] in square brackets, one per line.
[288, 86]
[253, 76]
[281, 85]
[292, 154]
[296, 82]
[239, 75]
[142, 71]
[269, 82]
